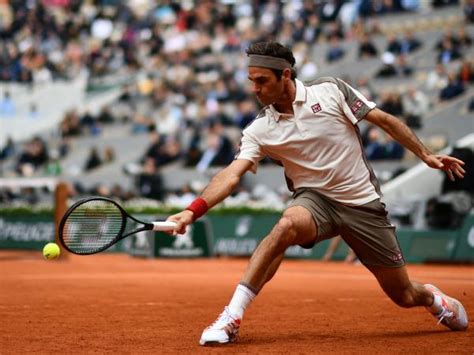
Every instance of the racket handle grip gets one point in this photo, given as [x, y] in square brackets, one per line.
[163, 226]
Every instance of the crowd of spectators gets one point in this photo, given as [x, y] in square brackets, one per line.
[190, 94]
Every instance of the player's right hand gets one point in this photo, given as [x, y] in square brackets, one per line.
[182, 220]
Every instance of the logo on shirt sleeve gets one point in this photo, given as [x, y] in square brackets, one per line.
[356, 106]
[316, 108]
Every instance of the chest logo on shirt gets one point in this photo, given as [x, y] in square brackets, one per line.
[316, 108]
[356, 106]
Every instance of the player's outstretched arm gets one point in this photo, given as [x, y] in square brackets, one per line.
[220, 186]
[405, 136]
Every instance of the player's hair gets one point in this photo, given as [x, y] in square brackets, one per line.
[274, 49]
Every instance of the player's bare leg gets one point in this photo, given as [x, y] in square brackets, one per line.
[405, 293]
[296, 226]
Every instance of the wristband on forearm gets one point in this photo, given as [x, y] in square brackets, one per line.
[198, 207]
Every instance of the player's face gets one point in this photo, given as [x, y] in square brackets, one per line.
[265, 85]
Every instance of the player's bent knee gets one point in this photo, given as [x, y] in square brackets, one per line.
[285, 231]
[286, 226]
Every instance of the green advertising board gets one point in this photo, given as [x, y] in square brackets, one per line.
[196, 242]
[239, 235]
[31, 231]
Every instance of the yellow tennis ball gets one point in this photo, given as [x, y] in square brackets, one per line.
[51, 251]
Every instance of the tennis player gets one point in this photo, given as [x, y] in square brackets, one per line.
[311, 129]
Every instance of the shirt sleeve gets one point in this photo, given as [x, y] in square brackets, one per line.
[250, 150]
[354, 104]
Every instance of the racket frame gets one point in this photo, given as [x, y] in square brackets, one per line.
[118, 237]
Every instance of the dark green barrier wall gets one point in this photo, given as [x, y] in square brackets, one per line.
[238, 235]
[30, 231]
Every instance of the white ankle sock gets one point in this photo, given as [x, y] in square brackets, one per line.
[241, 299]
[437, 305]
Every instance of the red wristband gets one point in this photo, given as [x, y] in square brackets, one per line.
[199, 207]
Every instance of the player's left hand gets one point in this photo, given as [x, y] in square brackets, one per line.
[452, 166]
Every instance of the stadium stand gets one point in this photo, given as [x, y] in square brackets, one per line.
[168, 82]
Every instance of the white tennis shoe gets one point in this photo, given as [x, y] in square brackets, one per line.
[223, 330]
[453, 315]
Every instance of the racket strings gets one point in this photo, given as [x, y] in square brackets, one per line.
[92, 226]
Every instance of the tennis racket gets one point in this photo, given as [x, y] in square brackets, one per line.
[95, 224]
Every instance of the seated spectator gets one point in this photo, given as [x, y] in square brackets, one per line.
[390, 102]
[466, 72]
[93, 160]
[447, 52]
[34, 156]
[335, 51]
[453, 89]
[149, 181]
[219, 149]
[394, 66]
[246, 113]
[105, 116]
[393, 45]
[374, 148]
[437, 78]
[109, 154]
[8, 149]
[366, 48]
[409, 43]
[70, 126]
[415, 105]
[392, 149]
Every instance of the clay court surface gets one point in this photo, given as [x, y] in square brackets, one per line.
[118, 304]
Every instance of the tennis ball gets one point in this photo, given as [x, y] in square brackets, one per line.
[51, 251]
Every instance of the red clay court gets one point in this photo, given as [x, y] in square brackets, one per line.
[112, 303]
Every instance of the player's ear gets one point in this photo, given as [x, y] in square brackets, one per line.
[286, 73]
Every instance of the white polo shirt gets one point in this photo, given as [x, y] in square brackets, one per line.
[319, 146]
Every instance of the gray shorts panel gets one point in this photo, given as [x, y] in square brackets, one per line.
[366, 229]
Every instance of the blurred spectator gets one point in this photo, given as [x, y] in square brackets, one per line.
[219, 149]
[380, 146]
[149, 181]
[394, 66]
[8, 149]
[109, 154]
[366, 48]
[392, 149]
[93, 160]
[245, 114]
[364, 86]
[374, 148]
[105, 116]
[409, 43]
[448, 52]
[390, 102]
[415, 105]
[335, 51]
[70, 126]
[437, 78]
[7, 107]
[453, 89]
[34, 156]
[393, 45]
[466, 72]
